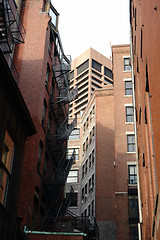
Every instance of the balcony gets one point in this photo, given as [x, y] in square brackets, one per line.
[11, 28]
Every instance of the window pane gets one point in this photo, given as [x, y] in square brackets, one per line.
[96, 65]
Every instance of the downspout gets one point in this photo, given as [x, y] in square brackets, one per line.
[135, 130]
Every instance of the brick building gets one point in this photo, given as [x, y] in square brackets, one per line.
[107, 177]
[15, 126]
[145, 32]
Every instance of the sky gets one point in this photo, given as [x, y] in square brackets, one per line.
[91, 23]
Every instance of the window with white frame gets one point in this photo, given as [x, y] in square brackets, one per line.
[70, 152]
[127, 65]
[130, 143]
[129, 113]
[74, 134]
[128, 88]
[132, 172]
[72, 176]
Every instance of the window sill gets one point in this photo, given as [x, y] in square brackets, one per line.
[128, 95]
[130, 152]
[129, 123]
[125, 71]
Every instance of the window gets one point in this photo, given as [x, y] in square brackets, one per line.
[127, 65]
[47, 75]
[87, 143]
[90, 137]
[44, 112]
[133, 209]
[92, 208]
[6, 166]
[83, 171]
[87, 123]
[131, 143]
[132, 171]
[93, 181]
[84, 149]
[134, 232]
[108, 72]
[84, 127]
[82, 193]
[72, 176]
[70, 152]
[90, 185]
[129, 114]
[128, 87]
[74, 199]
[86, 189]
[92, 156]
[82, 67]
[74, 134]
[96, 65]
[86, 166]
[90, 161]
[93, 131]
[39, 156]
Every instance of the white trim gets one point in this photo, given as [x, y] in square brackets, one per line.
[123, 193]
[128, 104]
[131, 163]
[127, 56]
[128, 133]
[127, 79]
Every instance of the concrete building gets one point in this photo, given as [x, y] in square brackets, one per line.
[105, 176]
[145, 33]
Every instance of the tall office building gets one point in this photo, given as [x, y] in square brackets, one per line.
[90, 71]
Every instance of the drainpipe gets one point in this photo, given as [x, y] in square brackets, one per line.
[135, 130]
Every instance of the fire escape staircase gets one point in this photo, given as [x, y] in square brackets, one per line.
[55, 212]
[11, 28]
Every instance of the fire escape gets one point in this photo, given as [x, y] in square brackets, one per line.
[57, 141]
[11, 31]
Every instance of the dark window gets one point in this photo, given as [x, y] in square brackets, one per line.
[132, 170]
[129, 114]
[82, 67]
[134, 232]
[74, 134]
[44, 112]
[130, 143]
[92, 208]
[127, 65]
[86, 190]
[133, 210]
[74, 199]
[6, 166]
[90, 186]
[47, 75]
[128, 87]
[96, 65]
[108, 72]
[39, 156]
[83, 171]
[86, 166]
[90, 161]
[92, 156]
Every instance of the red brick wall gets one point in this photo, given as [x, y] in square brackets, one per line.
[121, 155]
[145, 40]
